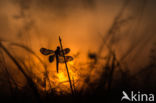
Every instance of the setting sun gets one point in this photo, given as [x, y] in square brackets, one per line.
[62, 77]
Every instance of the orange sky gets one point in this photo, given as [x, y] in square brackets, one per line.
[81, 24]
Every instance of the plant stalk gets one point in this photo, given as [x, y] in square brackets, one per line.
[71, 87]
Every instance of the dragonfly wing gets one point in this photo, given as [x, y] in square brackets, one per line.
[51, 58]
[45, 51]
[66, 51]
[67, 58]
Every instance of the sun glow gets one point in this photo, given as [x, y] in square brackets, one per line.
[71, 63]
[62, 77]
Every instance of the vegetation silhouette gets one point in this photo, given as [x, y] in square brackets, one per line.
[114, 77]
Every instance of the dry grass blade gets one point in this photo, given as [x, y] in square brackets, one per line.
[9, 78]
[71, 87]
[29, 80]
[32, 52]
[113, 27]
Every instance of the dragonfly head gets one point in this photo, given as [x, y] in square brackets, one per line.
[58, 48]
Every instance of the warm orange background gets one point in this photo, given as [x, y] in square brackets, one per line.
[81, 25]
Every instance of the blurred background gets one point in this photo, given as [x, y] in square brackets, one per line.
[112, 42]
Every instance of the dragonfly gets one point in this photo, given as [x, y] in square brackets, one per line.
[57, 54]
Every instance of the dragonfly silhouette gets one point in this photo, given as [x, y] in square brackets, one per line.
[58, 54]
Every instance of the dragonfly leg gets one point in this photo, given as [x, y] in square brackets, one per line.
[57, 63]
